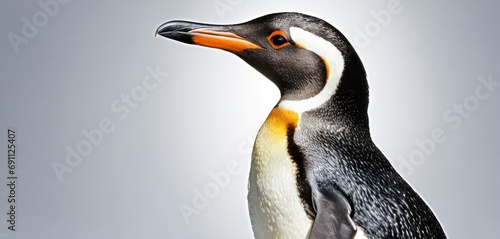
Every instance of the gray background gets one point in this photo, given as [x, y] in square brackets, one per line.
[426, 59]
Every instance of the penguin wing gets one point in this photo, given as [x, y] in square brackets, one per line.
[332, 215]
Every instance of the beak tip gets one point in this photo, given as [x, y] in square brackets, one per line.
[176, 30]
[163, 28]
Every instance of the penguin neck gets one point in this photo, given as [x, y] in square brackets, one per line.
[350, 101]
[347, 102]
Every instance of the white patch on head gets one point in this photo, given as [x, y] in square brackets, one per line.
[334, 60]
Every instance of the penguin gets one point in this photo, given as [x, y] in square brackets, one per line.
[315, 171]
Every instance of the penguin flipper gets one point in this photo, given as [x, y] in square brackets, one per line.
[332, 216]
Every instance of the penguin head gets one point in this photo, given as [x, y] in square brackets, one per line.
[309, 60]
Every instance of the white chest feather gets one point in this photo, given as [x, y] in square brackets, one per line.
[276, 210]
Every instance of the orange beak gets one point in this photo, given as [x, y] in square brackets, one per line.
[205, 35]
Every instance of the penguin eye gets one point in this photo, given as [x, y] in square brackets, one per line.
[278, 39]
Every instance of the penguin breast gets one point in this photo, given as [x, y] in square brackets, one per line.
[276, 210]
